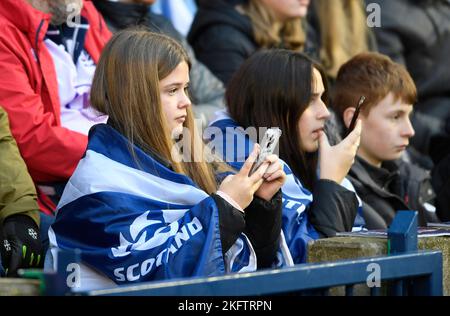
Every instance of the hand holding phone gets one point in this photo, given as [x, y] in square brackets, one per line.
[352, 125]
[268, 144]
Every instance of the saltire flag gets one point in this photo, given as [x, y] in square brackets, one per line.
[137, 222]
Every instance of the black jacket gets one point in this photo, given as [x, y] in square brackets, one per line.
[206, 90]
[222, 38]
[261, 223]
[416, 33]
[333, 208]
[395, 186]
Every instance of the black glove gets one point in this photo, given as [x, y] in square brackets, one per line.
[20, 244]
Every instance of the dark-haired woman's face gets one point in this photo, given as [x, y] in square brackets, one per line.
[312, 120]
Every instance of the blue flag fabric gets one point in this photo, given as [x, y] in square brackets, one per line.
[141, 222]
[234, 144]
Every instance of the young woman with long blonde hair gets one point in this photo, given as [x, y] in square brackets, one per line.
[137, 207]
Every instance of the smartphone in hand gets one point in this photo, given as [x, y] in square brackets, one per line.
[268, 144]
[355, 116]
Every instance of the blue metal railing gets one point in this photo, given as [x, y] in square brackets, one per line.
[423, 268]
[409, 272]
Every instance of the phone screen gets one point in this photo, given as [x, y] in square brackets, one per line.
[268, 144]
[355, 115]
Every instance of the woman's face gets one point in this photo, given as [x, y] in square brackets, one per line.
[287, 9]
[174, 97]
[312, 120]
[387, 130]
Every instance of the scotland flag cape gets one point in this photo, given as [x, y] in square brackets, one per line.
[233, 145]
[138, 223]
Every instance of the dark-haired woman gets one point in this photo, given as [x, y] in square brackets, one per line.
[286, 89]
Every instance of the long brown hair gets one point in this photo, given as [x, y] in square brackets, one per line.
[270, 33]
[343, 32]
[126, 88]
[272, 89]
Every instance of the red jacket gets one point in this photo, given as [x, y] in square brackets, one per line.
[29, 89]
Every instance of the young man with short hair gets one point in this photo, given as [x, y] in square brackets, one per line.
[382, 180]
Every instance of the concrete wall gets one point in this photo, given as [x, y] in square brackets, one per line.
[19, 287]
[339, 248]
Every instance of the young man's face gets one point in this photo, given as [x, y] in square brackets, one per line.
[386, 131]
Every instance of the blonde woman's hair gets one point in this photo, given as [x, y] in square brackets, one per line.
[270, 33]
[344, 32]
[126, 88]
